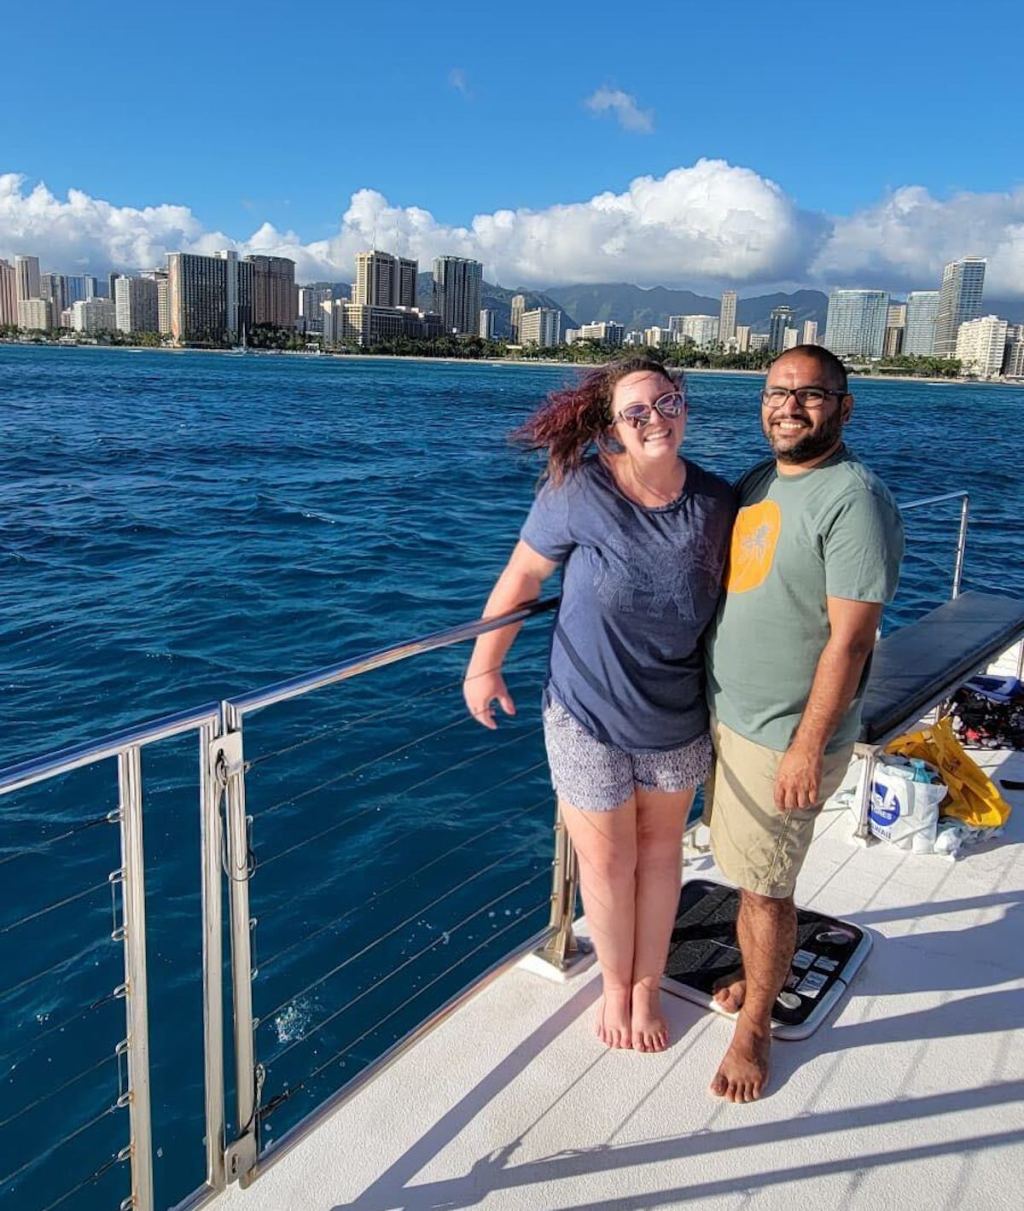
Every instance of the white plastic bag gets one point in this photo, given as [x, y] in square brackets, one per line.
[902, 812]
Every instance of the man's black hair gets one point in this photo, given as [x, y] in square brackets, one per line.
[826, 359]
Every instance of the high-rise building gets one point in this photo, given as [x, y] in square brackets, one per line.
[701, 329]
[922, 312]
[136, 304]
[8, 295]
[727, 317]
[742, 338]
[653, 336]
[34, 315]
[1013, 366]
[608, 332]
[981, 345]
[163, 299]
[541, 326]
[198, 297]
[376, 283]
[311, 307]
[26, 269]
[790, 338]
[780, 319]
[963, 282]
[855, 326]
[405, 280]
[273, 290]
[895, 329]
[54, 288]
[809, 336]
[518, 307]
[759, 341]
[457, 282]
[80, 286]
[94, 315]
[486, 329]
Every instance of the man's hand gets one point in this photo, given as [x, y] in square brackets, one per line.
[798, 779]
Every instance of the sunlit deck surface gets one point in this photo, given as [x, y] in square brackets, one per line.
[910, 1096]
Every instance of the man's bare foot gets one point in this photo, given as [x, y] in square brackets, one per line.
[612, 1025]
[731, 990]
[743, 1073]
[649, 1028]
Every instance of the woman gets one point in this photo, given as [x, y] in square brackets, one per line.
[641, 535]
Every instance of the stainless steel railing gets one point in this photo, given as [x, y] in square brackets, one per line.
[127, 884]
[927, 502]
[226, 855]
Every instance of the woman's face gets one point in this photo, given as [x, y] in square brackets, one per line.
[645, 433]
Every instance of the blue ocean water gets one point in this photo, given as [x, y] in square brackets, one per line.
[177, 528]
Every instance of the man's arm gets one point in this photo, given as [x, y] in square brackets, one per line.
[853, 625]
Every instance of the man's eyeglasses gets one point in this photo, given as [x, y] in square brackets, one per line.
[806, 397]
[639, 415]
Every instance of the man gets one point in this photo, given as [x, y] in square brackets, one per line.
[815, 554]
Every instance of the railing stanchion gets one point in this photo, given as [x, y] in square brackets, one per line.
[563, 950]
[211, 839]
[129, 778]
[241, 1154]
[961, 545]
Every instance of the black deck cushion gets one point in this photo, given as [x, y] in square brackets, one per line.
[915, 664]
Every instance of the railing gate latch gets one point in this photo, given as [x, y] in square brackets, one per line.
[240, 1157]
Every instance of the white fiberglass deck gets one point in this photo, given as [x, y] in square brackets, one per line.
[910, 1096]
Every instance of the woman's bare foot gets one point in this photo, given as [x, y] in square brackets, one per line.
[612, 1025]
[743, 1072]
[649, 1028]
[731, 990]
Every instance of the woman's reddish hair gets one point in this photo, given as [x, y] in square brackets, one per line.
[573, 419]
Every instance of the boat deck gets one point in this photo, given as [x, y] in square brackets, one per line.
[911, 1095]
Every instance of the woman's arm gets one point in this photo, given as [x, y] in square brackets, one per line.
[518, 584]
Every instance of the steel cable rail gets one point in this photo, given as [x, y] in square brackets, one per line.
[406, 790]
[42, 846]
[41, 912]
[442, 939]
[107, 999]
[292, 1090]
[117, 1159]
[45, 1097]
[386, 891]
[66, 1139]
[384, 936]
[350, 724]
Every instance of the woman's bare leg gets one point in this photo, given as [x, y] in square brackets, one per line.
[606, 845]
[660, 821]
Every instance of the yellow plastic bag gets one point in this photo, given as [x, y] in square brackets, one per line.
[973, 797]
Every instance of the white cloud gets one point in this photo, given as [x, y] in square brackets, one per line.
[705, 226]
[624, 107]
[902, 242]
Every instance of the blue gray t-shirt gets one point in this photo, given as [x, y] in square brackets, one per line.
[639, 587]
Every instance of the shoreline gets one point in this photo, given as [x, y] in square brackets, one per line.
[487, 361]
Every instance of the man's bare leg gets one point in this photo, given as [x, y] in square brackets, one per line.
[766, 929]
[605, 844]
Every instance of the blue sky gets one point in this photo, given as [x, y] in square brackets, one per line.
[276, 114]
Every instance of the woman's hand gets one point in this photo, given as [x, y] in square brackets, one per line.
[483, 689]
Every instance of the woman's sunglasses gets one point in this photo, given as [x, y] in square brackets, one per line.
[639, 415]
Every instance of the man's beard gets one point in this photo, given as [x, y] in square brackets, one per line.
[812, 445]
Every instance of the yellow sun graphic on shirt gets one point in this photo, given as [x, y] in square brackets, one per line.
[754, 538]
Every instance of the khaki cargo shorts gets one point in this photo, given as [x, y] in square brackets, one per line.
[756, 846]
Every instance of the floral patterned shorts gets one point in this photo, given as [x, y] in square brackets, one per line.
[596, 777]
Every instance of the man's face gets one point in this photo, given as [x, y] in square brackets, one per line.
[801, 433]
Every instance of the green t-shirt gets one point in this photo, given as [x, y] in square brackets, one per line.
[832, 531]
